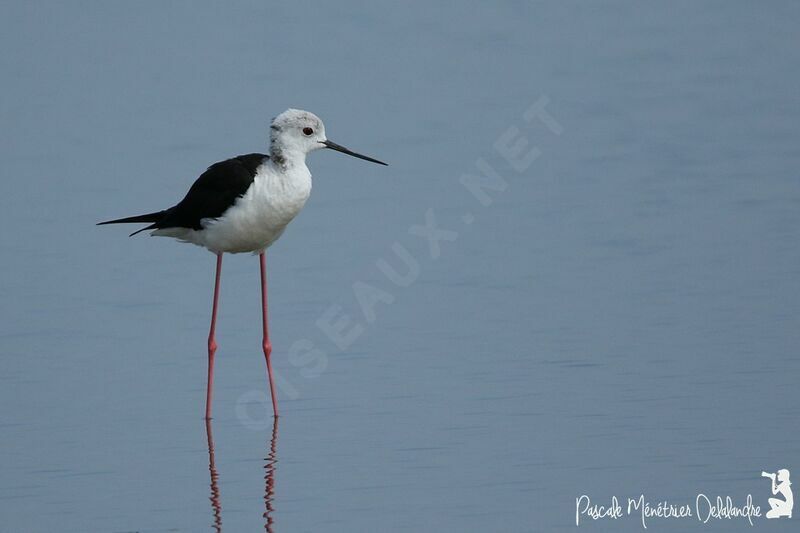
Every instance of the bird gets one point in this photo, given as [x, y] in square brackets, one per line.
[243, 205]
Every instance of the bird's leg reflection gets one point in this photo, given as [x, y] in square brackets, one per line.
[216, 507]
[269, 467]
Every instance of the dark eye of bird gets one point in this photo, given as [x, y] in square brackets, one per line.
[308, 131]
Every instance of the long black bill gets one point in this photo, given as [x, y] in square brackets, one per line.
[339, 148]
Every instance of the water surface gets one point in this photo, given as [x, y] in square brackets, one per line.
[615, 314]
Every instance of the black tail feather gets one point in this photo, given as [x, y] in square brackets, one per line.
[151, 226]
[149, 217]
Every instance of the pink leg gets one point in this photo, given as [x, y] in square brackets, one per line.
[266, 344]
[212, 342]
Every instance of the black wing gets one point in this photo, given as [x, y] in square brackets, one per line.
[216, 190]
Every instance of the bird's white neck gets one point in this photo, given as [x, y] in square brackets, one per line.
[287, 168]
[285, 156]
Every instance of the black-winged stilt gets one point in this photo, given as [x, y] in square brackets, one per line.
[243, 204]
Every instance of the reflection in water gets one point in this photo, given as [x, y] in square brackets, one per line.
[269, 477]
[269, 492]
[212, 469]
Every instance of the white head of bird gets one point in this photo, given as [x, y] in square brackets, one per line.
[295, 133]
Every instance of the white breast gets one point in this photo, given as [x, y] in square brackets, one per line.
[260, 216]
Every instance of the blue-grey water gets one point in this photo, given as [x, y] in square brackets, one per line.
[580, 273]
